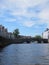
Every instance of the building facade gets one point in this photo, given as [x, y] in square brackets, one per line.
[45, 34]
[11, 36]
[4, 33]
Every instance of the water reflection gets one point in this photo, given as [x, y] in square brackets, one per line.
[25, 54]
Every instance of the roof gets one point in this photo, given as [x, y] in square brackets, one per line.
[47, 29]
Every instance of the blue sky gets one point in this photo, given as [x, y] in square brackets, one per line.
[31, 17]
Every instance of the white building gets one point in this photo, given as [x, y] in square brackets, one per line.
[45, 34]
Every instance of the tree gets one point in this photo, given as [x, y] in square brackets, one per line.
[38, 37]
[16, 32]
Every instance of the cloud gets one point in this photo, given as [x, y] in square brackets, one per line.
[20, 6]
[24, 3]
[44, 15]
[2, 6]
[37, 9]
[10, 20]
[28, 23]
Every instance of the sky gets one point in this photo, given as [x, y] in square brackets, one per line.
[31, 17]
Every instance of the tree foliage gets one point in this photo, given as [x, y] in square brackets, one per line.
[38, 37]
[16, 32]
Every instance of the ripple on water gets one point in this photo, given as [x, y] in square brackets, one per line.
[25, 54]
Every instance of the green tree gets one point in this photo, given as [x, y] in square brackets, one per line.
[38, 37]
[16, 32]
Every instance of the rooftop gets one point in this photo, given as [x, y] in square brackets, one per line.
[47, 29]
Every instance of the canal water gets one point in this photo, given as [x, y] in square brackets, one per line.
[25, 54]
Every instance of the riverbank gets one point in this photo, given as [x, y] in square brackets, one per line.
[6, 41]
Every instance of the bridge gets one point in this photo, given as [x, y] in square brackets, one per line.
[37, 40]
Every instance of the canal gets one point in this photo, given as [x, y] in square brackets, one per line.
[25, 54]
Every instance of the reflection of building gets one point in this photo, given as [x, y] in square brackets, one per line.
[45, 34]
[4, 32]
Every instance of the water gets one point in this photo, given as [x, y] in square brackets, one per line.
[25, 54]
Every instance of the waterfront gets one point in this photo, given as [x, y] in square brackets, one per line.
[25, 54]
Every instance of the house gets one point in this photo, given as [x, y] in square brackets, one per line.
[45, 34]
[4, 33]
[10, 35]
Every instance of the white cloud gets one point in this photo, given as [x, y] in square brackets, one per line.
[2, 6]
[28, 23]
[44, 14]
[23, 3]
[19, 7]
[10, 20]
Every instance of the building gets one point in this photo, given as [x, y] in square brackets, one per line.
[45, 34]
[4, 33]
[10, 35]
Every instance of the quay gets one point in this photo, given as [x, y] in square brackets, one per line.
[5, 41]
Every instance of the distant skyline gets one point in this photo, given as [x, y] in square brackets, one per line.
[31, 17]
